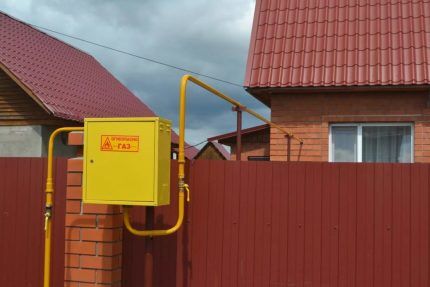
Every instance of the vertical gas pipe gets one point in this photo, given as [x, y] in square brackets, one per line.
[181, 155]
[49, 204]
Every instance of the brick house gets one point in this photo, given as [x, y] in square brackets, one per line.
[350, 78]
[255, 143]
[46, 83]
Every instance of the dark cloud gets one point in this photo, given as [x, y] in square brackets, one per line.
[210, 37]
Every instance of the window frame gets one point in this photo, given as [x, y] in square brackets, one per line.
[360, 136]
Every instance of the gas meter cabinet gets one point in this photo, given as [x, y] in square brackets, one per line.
[127, 161]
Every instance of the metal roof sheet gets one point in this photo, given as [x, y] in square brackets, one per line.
[232, 135]
[218, 148]
[190, 151]
[70, 83]
[221, 149]
[308, 43]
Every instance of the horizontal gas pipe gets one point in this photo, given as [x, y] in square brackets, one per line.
[237, 104]
[181, 152]
[261, 118]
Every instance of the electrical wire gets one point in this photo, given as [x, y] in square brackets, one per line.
[138, 56]
[190, 146]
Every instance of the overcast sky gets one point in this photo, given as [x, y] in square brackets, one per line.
[210, 37]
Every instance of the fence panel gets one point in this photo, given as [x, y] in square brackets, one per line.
[291, 224]
[21, 221]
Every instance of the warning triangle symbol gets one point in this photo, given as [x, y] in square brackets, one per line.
[107, 145]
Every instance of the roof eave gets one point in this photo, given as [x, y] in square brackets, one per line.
[263, 93]
[234, 134]
[215, 148]
[25, 88]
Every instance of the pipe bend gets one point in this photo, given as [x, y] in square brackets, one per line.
[160, 232]
[235, 103]
[49, 190]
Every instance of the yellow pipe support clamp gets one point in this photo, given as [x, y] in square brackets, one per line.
[49, 203]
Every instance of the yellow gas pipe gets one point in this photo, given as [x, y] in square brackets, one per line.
[181, 170]
[49, 202]
[205, 86]
[181, 153]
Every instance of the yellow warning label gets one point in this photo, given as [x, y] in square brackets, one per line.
[119, 143]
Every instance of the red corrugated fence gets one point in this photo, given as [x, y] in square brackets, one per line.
[292, 224]
[22, 203]
[249, 224]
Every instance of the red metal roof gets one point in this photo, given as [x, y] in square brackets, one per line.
[305, 43]
[218, 147]
[190, 151]
[232, 135]
[70, 83]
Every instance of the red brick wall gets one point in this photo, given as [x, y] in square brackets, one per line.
[309, 116]
[93, 235]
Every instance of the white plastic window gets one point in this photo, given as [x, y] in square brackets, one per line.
[371, 142]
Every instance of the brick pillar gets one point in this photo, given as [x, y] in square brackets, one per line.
[93, 234]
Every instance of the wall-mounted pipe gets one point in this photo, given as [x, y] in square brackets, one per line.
[49, 202]
[181, 152]
[261, 118]
[181, 170]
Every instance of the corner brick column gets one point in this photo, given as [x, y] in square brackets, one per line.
[93, 234]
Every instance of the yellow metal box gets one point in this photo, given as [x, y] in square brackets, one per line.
[127, 161]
